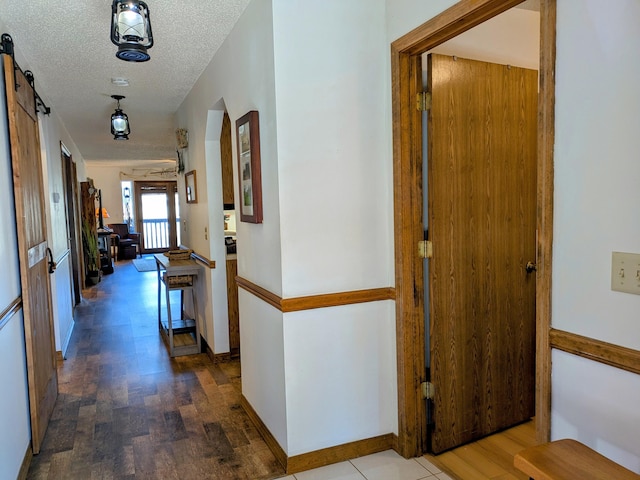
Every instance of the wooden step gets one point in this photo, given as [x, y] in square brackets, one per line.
[569, 460]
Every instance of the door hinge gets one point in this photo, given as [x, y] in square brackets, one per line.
[427, 390]
[423, 101]
[425, 249]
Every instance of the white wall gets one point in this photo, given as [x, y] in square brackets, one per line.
[597, 167]
[106, 178]
[597, 174]
[336, 196]
[405, 15]
[263, 363]
[15, 433]
[52, 132]
[340, 368]
[335, 178]
[597, 405]
[62, 303]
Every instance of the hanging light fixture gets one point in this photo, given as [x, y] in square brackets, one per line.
[131, 30]
[119, 122]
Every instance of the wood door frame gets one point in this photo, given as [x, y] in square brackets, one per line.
[70, 182]
[171, 189]
[406, 76]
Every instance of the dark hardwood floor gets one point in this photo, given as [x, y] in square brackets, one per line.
[126, 410]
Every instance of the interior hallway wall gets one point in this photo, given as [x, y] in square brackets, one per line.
[52, 133]
[241, 77]
[336, 197]
[327, 243]
[107, 180]
[597, 174]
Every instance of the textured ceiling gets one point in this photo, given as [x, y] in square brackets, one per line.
[68, 48]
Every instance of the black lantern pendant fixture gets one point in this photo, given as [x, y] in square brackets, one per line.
[131, 30]
[119, 122]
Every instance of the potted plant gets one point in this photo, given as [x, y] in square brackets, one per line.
[90, 243]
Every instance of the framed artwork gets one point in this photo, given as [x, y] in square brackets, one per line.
[182, 138]
[190, 183]
[248, 137]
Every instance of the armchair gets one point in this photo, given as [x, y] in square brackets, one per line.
[127, 243]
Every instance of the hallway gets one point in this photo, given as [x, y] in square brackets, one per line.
[127, 410]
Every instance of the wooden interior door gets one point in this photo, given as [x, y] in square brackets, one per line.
[32, 246]
[482, 220]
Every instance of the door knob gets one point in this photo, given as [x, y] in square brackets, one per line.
[531, 267]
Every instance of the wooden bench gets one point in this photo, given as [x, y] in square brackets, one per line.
[569, 460]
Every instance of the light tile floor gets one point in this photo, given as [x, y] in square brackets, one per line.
[387, 465]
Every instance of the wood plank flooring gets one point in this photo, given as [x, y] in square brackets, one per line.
[490, 458]
[126, 410]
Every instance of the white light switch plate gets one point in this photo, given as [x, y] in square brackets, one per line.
[625, 272]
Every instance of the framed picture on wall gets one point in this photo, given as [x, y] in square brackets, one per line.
[190, 181]
[248, 138]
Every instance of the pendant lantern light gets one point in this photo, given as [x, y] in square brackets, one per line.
[119, 122]
[131, 30]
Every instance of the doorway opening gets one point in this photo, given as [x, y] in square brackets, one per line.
[157, 215]
[69, 178]
[222, 230]
[228, 201]
[406, 64]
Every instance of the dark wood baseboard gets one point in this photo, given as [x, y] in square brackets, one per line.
[59, 357]
[26, 463]
[221, 357]
[318, 458]
[215, 357]
[268, 438]
[341, 453]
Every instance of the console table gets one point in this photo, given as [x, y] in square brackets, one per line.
[181, 334]
[104, 249]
